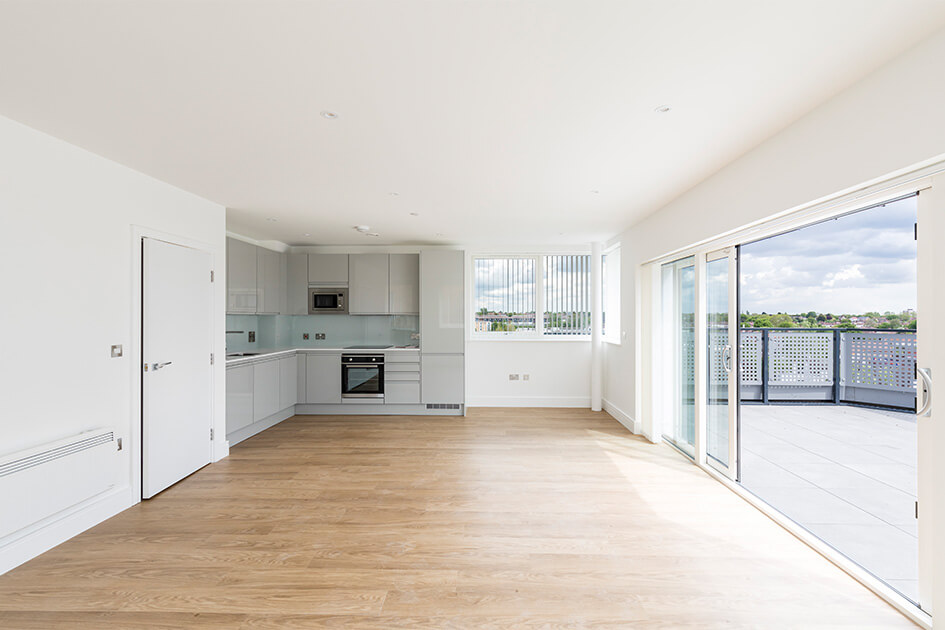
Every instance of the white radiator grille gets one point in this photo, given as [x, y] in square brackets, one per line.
[29, 461]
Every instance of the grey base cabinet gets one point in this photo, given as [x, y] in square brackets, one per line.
[265, 389]
[323, 378]
[288, 382]
[443, 378]
[239, 398]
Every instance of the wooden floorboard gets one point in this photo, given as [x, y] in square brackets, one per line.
[509, 518]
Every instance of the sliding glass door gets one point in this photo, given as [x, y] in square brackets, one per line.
[678, 353]
[721, 330]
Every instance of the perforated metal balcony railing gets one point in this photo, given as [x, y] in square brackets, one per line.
[866, 367]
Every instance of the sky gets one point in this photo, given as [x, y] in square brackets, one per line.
[850, 265]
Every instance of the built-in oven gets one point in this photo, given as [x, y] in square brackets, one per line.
[362, 376]
[323, 300]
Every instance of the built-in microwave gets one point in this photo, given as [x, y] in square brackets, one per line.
[323, 300]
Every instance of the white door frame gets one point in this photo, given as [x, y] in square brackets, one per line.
[932, 355]
[135, 357]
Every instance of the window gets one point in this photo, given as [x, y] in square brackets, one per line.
[509, 291]
[567, 295]
[610, 295]
[505, 296]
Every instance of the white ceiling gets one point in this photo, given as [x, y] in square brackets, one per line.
[493, 120]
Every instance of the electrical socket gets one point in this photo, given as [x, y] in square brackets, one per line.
[525, 377]
[252, 336]
[319, 336]
[513, 377]
[305, 336]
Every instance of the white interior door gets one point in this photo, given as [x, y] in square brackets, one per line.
[930, 364]
[176, 378]
[721, 342]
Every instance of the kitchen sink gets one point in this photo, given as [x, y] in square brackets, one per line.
[234, 355]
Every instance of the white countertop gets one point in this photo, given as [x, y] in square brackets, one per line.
[265, 354]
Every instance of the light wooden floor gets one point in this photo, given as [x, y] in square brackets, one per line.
[505, 519]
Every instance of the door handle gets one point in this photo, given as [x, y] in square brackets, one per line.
[158, 366]
[727, 359]
[925, 374]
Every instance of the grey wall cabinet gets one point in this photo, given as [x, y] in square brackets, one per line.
[323, 378]
[239, 397]
[296, 299]
[265, 389]
[442, 378]
[368, 284]
[270, 281]
[442, 310]
[240, 277]
[288, 382]
[328, 269]
[404, 283]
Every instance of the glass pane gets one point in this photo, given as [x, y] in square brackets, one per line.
[505, 295]
[364, 380]
[567, 295]
[679, 292]
[719, 357]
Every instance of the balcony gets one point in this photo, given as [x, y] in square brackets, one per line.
[828, 437]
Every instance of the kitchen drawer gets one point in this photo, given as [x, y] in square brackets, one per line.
[401, 376]
[404, 393]
[402, 367]
[402, 357]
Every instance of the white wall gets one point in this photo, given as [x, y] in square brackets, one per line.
[559, 373]
[892, 119]
[66, 261]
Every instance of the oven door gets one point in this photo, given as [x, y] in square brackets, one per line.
[359, 380]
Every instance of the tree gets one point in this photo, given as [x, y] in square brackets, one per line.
[782, 320]
[762, 321]
[846, 323]
[912, 324]
[483, 310]
[811, 314]
[821, 318]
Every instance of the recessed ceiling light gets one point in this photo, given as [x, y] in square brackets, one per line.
[272, 219]
[415, 214]
[662, 109]
[439, 234]
[595, 192]
[307, 234]
[393, 194]
[329, 115]
[363, 229]
[372, 234]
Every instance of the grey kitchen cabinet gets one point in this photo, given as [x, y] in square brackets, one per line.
[442, 310]
[404, 283]
[265, 389]
[402, 392]
[240, 276]
[323, 378]
[239, 397]
[300, 363]
[288, 382]
[328, 269]
[442, 378]
[296, 298]
[270, 283]
[368, 284]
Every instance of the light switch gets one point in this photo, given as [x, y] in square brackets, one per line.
[116, 351]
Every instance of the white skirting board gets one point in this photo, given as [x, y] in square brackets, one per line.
[41, 486]
[623, 418]
[572, 402]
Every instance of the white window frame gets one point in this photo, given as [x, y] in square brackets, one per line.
[539, 333]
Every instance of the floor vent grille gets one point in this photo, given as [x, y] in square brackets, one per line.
[443, 406]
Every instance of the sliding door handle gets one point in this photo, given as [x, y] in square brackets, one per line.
[727, 359]
[925, 375]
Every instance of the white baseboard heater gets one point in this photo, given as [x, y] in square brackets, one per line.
[39, 483]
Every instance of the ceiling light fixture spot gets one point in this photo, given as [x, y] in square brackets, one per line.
[329, 115]
[663, 109]
[271, 219]
[363, 229]
[415, 214]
